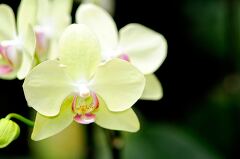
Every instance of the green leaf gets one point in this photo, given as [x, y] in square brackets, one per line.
[166, 142]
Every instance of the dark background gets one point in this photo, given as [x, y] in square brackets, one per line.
[200, 79]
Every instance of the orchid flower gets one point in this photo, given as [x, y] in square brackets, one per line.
[141, 46]
[17, 46]
[53, 16]
[78, 87]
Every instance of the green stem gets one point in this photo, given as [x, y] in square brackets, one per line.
[115, 142]
[37, 60]
[21, 118]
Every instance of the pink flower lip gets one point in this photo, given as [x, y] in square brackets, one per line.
[84, 111]
[85, 119]
[5, 69]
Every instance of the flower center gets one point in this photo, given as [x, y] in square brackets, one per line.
[43, 34]
[119, 53]
[84, 107]
[124, 57]
[9, 56]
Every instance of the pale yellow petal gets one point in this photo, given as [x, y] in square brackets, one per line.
[46, 87]
[79, 51]
[45, 126]
[101, 23]
[119, 84]
[8, 26]
[124, 120]
[153, 88]
[146, 48]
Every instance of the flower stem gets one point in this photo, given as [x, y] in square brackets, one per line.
[90, 142]
[21, 118]
[115, 143]
[37, 60]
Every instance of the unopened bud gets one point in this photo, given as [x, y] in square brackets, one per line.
[9, 131]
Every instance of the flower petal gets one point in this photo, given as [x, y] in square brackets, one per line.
[43, 10]
[5, 69]
[29, 44]
[119, 84]
[60, 15]
[46, 86]
[125, 120]
[4, 74]
[79, 51]
[146, 48]
[45, 126]
[56, 14]
[153, 89]
[53, 51]
[8, 26]
[27, 13]
[61, 6]
[101, 23]
[61, 22]
[108, 5]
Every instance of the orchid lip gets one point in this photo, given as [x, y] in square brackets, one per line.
[5, 69]
[8, 52]
[85, 119]
[84, 108]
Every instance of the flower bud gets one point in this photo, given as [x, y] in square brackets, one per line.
[9, 131]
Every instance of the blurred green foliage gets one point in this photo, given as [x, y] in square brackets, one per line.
[207, 24]
[166, 141]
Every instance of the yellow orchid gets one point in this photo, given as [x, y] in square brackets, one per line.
[16, 45]
[141, 46]
[52, 17]
[79, 87]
